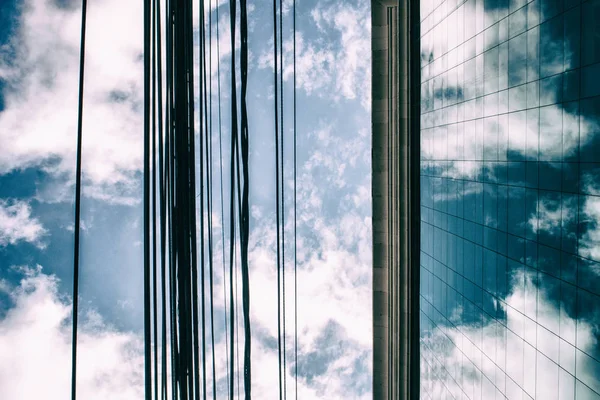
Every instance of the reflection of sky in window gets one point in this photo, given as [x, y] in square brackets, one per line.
[510, 178]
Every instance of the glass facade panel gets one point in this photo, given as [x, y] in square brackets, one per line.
[510, 199]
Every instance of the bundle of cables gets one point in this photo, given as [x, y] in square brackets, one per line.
[178, 163]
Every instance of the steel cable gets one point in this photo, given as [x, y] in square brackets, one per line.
[170, 201]
[77, 227]
[295, 217]
[277, 195]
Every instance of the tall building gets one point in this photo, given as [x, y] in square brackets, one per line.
[395, 164]
[508, 275]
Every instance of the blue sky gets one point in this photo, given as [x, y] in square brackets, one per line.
[38, 89]
[39, 42]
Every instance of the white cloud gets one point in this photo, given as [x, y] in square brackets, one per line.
[334, 260]
[591, 238]
[353, 78]
[549, 217]
[480, 128]
[331, 159]
[552, 216]
[334, 278]
[17, 224]
[481, 356]
[35, 342]
[492, 135]
[339, 68]
[39, 124]
[38, 127]
[334, 273]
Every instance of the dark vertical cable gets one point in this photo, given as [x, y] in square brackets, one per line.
[237, 185]
[203, 125]
[168, 193]
[245, 217]
[187, 351]
[414, 71]
[153, 184]
[222, 205]
[170, 180]
[238, 204]
[237, 323]
[162, 208]
[190, 185]
[210, 201]
[232, 14]
[78, 204]
[147, 336]
[182, 224]
[295, 223]
[275, 70]
[170, 198]
[282, 194]
[391, 275]
[180, 294]
[235, 355]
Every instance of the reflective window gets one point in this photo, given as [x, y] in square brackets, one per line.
[510, 199]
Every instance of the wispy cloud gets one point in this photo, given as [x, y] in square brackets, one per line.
[500, 356]
[336, 68]
[39, 123]
[35, 342]
[334, 247]
[590, 241]
[17, 224]
[462, 124]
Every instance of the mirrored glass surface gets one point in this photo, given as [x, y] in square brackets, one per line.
[510, 199]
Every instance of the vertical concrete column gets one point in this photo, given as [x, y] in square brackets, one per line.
[403, 266]
[393, 298]
[380, 193]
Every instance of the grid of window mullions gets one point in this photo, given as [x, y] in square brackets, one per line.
[512, 235]
[476, 367]
[489, 95]
[502, 326]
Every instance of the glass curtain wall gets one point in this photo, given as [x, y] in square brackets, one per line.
[510, 199]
